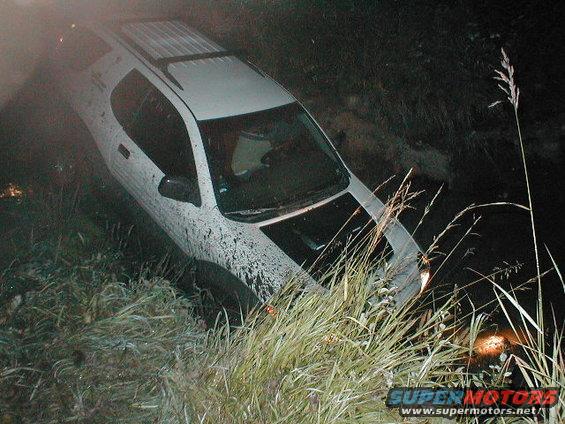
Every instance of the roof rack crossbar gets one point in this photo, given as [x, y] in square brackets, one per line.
[165, 61]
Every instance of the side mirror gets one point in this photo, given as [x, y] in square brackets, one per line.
[340, 139]
[182, 189]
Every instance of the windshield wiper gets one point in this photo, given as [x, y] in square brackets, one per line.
[250, 212]
[306, 199]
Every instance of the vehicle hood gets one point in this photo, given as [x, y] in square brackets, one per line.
[317, 238]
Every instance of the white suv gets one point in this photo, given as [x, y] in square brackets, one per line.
[227, 162]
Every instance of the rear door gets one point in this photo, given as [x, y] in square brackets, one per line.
[78, 52]
[83, 63]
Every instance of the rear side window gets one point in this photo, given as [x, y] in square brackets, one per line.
[80, 48]
[128, 97]
[154, 124]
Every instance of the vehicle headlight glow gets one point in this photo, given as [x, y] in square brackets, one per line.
[425, 271]
[490, 345]
[425, 276]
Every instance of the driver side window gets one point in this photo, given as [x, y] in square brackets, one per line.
[153, 123]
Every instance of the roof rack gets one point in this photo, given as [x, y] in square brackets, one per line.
[166, 61]
[163, 64]
[165, 41]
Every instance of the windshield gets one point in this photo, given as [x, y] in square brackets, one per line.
[270, 160]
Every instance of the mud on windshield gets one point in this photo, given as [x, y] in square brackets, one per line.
[269, 162]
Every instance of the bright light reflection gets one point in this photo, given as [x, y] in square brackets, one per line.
[12, 191]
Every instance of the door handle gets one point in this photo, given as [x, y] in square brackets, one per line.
[123, 151]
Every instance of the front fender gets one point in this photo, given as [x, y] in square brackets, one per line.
[225, 285]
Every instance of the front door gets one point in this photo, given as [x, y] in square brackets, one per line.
[152, 141]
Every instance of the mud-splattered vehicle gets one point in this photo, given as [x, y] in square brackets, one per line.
[226, 161]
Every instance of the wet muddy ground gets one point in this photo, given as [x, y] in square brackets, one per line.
[38, 136]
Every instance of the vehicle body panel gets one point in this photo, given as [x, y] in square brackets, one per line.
[211, 88]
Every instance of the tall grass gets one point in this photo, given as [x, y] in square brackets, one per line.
[330, 356]
[81, 340]
[324, 358]
[512, 91]
[543, 362]
[84, 345]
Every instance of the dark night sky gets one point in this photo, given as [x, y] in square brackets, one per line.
[533, 32]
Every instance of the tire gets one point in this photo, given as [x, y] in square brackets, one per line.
[226, 289]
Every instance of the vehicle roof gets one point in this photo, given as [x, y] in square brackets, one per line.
[212, 80]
